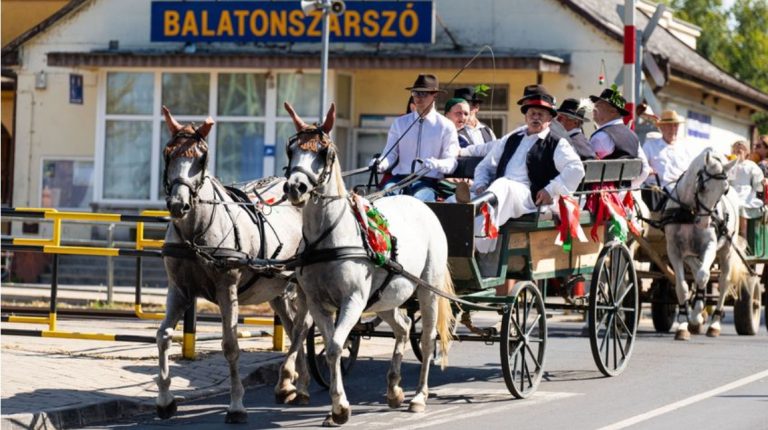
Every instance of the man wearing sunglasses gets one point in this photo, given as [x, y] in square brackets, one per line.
[420, 140]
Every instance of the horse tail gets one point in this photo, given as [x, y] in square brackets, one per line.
[445, 318]
[739, 273]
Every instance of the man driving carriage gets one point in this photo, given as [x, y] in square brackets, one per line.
[529, 167]
[420, 139]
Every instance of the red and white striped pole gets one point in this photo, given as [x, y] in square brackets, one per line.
[630, 44]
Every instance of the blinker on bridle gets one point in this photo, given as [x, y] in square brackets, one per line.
[199, 139]
[330, 155]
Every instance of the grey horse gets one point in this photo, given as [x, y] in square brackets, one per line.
[207, 235]
[338, 277]
[701, 194]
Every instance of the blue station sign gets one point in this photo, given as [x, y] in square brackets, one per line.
[269, 21]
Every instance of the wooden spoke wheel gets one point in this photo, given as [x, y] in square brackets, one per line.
[316, 359]
[663, 305]
[524, 340]
[746, 308]
[614, 309]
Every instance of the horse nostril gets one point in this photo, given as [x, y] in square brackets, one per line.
[186, 208]
[302, 188]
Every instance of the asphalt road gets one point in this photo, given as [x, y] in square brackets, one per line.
[706, 383]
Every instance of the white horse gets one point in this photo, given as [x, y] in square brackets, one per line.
[207, 231]
[701, 223]
[338, 277]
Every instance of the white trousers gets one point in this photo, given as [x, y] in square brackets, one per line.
[514, 200]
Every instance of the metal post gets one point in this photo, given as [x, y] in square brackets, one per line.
[630, 37]
[188, 341]
[110, 266]
[139, 280]
[54, 293]
[324, 61]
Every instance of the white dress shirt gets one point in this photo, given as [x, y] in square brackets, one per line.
[604, 146]
[566, 159]
[668, 161]
[476, 134]
[482, 149]
[746, 178]
[431, 137]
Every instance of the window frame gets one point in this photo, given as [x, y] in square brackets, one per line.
[47, 158]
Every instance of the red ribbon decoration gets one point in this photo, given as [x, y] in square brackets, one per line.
[569, 225]
[491, 232]
[602, 216]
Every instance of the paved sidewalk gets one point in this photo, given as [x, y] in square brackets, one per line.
[66, 383]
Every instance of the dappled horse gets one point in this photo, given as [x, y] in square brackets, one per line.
[701, 223]
[337, 275]
[206, 242]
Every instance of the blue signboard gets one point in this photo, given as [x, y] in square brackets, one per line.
[699, 125]
[267, 21]
[76, 89]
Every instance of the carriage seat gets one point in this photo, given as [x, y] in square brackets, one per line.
[543, 220]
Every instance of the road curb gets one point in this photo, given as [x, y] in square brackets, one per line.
[117, 409]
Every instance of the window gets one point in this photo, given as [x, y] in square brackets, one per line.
[67, 184]
[250, 132]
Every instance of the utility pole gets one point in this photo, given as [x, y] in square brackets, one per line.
[630, 44]
[325, 6]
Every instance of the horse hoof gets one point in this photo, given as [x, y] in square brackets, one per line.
[683, 335]
[694, 329]
[713, 332]
[165, 412]
[237, 417]
[397, 400]
[301, 399]
[329, 422]
[335, 420]
[417, 407]
[285, 397]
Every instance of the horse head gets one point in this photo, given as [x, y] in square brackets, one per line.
[186, 160]
[311, 156]
[710, 183]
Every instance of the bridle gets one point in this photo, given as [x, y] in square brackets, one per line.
[685, 211]
[200, 145]
[324, 145]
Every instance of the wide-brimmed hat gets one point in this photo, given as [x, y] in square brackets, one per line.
[537, 96]
[670, 117]
[573, 108]
[613, 97]
[426, 82]
[468, 94]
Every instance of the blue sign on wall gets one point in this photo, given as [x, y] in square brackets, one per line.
[76, 89]
[266, 21]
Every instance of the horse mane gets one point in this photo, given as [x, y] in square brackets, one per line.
[189, 148]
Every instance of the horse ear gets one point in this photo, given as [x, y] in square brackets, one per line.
[297, 121]
[170, 121]
[729, 165]
[330, 118]
[206, 127]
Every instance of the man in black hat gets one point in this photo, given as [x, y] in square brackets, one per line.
[422, 138]
[528, 167]
[475, 131]
[571, 115]
[612, 139]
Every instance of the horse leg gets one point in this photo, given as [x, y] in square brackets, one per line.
[348, 315]
[681, 288]
[175, 304]
[401, 325]
[428, 308]
[701, 275]
[294, 368]
[723, 284]
[228, 305]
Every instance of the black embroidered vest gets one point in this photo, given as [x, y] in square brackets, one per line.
[540, 160]
[626, 141]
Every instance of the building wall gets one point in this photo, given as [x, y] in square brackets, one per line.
[19, 16]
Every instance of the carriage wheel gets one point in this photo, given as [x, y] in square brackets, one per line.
[318, 364]
[524, 340]
[663, 305]
[746, 309]
[614, 309]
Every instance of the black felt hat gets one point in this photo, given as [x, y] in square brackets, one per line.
[537, 96]
[613, 97]
[467, 93]
[573, 108]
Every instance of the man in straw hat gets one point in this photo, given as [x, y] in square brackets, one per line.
[668, 156]
[612, 139]
[571, 115]
[528, 167]
[422, 138]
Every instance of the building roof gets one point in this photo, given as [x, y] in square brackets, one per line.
[684, 62]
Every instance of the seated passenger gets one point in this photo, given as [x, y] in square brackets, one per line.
[528, 168]
[613, 140]
[668, 157]
[571, 115]
[457, 110]
[423, 138]
[746, 179]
